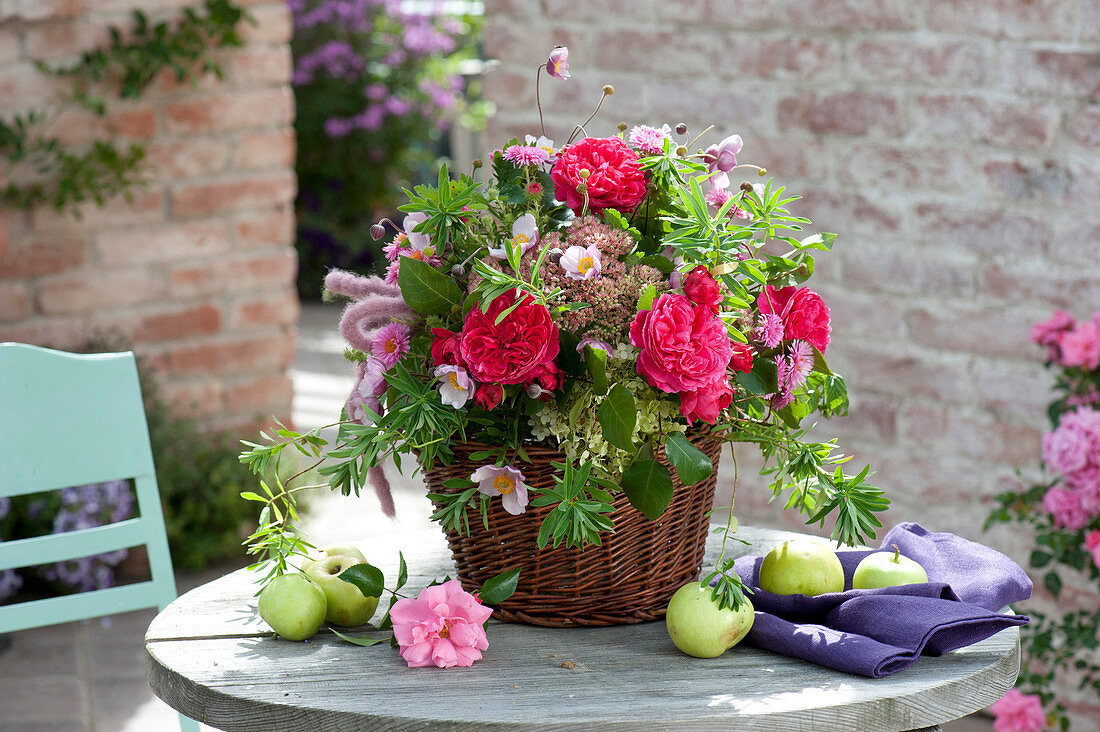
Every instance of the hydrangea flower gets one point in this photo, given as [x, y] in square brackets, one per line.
[581, 263]
[525, 234]
[524, 155]
[558, 63]
[455, 385]
[442, 627]
[391, 343]
[506, 482]
[650, 140]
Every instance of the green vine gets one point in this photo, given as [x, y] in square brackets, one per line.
[39, 169]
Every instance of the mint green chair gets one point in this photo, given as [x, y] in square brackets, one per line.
[69, 420]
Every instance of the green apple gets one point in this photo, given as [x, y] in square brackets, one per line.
[801, 567]
[347, 606]
[883, 570]
[699, 628]
[293, 605]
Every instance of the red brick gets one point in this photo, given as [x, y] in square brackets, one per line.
[274, 25]
[276, 309]
[955, 433]
[1054, 287]
[882, 268]
[62, 333]
[146, 205]
[1010, 390]
[3, 240]
[256, 191]
[1002, 122]
[89, 292]
[695, 101]
[1033, 19]
[904, 372]
[204, 319]
[123, 122]
[782, 58]
[842, 113]
[147, 6]
[165, 243]
[64, 39]
[15, 302]
[1083, 125]
[1076, 182]
[172, 160]
[10, 48]
[906, 169]
[264, 395]
[230, 111]
[262, 272]
[937, 63]
[509, 89]
[267, 149]
[24, 87]
[573, 11]
[713, 14]
[657, 49]
[247, 67]
[1074, 240]
[274, 228]
[194, 400]
[786, 158]
[1055, 73]
[523, 45]
[226, 358]
[990, 331]
[41, 9]
[845, 213]
[42, 256]
[861, 316]
[849, 15]
[869, 417]
[983, 231]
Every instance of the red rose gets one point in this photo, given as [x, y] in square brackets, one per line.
[703, 289]
[804, 313]
[513, 351]
[445, 347]
[488, 396]
[707, 402]
[684, 346]
[615, 176]
[549, 377]
[742, 357]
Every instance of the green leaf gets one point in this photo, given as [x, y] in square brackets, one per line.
[366, 577]
[499, 588]
[1040, 559]
[425, 289]
[359, 640]
[692, 464]
[402, 572]
[1053, 583]
[648, 487]
[649, 294]
[618, 416]
[596, 361]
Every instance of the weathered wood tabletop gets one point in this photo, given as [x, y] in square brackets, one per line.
[211, 657]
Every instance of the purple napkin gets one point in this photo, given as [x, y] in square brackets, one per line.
[880, 632]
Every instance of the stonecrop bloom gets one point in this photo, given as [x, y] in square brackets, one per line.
[442, 627]
[506, 482]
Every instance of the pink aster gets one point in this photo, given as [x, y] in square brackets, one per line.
[522, 155]
[799, 362]
[1018, 712]
[558, 63]
[392, 271]
[1092, 545]
[506, 482]
[717, 197]
[393, 249]
[390, 344]
[650, 140]
[442, 627]
[769, 331]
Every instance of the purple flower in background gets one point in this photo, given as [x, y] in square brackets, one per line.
[397, 106]
[371, 119]
[338, 127]
[376, 92]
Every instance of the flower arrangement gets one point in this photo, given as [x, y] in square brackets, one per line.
[1064, 513]
[613, 298]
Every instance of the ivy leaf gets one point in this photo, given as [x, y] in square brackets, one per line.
[366, 577]
[596, 361]
[618, 416]
[692, 464]
[499, 588]
[648, 487]
[425, 289]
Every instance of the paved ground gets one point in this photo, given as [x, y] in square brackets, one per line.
[90, 676]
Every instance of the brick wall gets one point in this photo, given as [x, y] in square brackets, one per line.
[952, 145]
[197, 270]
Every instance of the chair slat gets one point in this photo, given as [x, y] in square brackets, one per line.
[80, 543]
[67, 608]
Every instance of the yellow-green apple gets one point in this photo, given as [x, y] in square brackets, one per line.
[882, 569]
[801, 567]
[293, 605]
[347, 606]
[699, 628]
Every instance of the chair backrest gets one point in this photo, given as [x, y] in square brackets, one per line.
[69, 420]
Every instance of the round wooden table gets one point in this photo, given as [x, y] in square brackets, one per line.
[211, 657]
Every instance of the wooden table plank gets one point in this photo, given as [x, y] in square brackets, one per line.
[211, 657]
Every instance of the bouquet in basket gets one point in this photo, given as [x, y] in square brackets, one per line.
[564, 339]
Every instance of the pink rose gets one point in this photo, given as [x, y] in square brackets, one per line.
[702, 289]
[442, 627]
[445, 347]
[615, 176]
[706, 403]
[1066, 450]
[514, 350]
[684, 346]
[1081, 346]
[1018, 712]
[1049, 331]
[1092, 545]
[1065, 506]
[803, 312]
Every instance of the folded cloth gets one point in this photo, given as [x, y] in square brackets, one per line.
[882, 631]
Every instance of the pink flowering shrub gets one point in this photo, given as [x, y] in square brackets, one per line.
[1018, 712]
[442, 627]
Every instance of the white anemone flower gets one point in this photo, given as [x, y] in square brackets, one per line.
[455, 386]
[418, 240]
[506, 482]
[525, 234]
[543, 143]
[580, 263]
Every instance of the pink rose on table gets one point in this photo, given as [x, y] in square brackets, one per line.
[702, 289]
[614, 177]
[683, 345]
[442, 627]
[513, 351]
[706, 403]
[803, 312]
[1018, 712]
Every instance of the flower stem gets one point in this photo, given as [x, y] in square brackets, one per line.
[538, 99]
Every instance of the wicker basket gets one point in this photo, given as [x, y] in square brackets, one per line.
[627, 580]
